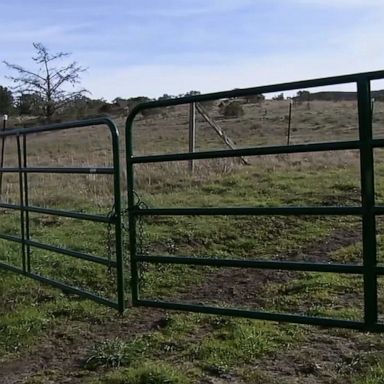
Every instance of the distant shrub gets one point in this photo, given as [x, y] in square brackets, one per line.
[254, 99]
[233, 109]
[280, 96]
[106, 108]
[152, 112]
[208, 105]
[256, 126]
[133, 101]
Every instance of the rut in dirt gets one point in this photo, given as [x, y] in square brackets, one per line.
[242, 287]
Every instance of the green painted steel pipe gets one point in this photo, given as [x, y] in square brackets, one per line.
[258, 315]
[26, 201]
[80, 170]
[117, 216]
[71, 253]
[24, 209]
[58, 127]
[58, 212]
[131, 211]
[22, 205]
[282, 87]
[73, 290]
[250, 211]
[254, 151]
[11, 268]
[367, 210]
[368, 200]
[255, 264]
[14, 239]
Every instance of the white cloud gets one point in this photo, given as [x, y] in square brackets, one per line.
[183, 8]
[356, 48]
[207, 65]
[16, 33]
[156, 80]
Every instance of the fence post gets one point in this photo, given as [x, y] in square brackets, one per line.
[192, 133]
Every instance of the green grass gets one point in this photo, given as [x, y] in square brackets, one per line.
[238, 341]
[321, 294]
[29, 311]
[114, 353]
[241, 342]
[147, 372]
[19, 329]
[225, 345]
[373, 375]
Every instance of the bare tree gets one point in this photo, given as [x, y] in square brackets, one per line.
[50, 81]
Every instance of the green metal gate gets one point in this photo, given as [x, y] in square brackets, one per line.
[25, 209]
[367, 211]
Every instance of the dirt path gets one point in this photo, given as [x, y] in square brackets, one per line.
[244, 287]
[63, 350]
[324, 358]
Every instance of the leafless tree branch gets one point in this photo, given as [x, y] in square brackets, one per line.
[49, 81]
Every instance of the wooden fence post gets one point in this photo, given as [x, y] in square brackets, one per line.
[219, 131]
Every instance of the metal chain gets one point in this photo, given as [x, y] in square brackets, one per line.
[140, 225]
[140, 245]
[125, 229]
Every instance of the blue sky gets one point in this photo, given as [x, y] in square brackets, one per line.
[149, 47]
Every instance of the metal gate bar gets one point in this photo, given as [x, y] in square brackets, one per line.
[24, 208]
[367, 211]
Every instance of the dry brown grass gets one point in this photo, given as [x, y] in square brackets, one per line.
[262, 124]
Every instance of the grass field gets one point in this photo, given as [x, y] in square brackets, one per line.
[49, 336]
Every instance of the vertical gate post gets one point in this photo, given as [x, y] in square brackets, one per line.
[22, 202]
[117, 217]
[192, 133]
[26, 203]
[131, 209]
[5, 118]
[368, 201]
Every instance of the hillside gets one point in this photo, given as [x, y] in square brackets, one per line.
[339, 96]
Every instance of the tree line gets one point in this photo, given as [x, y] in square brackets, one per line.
[51, 87]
